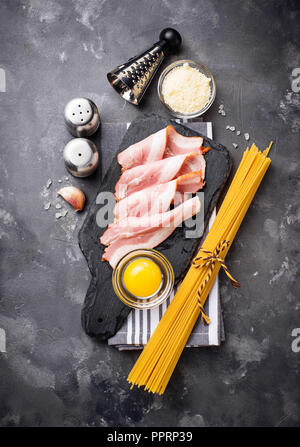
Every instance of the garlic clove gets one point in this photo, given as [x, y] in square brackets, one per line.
[74, 196]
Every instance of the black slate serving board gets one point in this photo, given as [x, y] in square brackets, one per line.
[103, 313]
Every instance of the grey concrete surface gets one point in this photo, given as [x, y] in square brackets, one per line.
[52, 374]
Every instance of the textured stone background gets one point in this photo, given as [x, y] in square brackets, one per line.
[52, 373]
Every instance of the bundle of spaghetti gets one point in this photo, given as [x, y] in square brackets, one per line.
[155, 365]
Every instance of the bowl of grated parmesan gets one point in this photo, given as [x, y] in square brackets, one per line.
[186, 88]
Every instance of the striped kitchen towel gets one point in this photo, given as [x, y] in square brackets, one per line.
[140, 324]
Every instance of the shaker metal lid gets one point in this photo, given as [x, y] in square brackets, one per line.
[81, 157]
[82, 117]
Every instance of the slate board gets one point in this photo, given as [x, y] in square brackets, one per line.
[103, 313]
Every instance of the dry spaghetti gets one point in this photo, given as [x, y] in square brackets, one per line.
[157, 362]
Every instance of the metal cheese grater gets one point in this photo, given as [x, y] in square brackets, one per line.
[132, 79]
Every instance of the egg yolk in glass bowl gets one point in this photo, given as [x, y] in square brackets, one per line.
[142, 277]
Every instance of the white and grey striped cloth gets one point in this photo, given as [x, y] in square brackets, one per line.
[140, 324]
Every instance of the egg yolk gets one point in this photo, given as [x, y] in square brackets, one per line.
[142, 277]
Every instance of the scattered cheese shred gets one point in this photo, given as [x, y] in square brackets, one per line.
[186, 90]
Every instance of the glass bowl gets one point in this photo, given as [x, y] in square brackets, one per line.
[204, 70]
[150, 301]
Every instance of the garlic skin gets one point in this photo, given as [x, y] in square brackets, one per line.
[74, 196]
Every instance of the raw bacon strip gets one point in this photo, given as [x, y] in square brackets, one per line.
[157, 198]
[178, 144]
[132, 225]
[151, 200]
[164, 143]
[150, 149]
[153, 236]
[190, 182]
[194, 164]
[161, 171]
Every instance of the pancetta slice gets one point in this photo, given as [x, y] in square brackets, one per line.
[158, 198]
[157, 172]
[164, 143]
[147, 232]
[150, 149]
[178, 144]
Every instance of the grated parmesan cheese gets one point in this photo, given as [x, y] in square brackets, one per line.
[186, 90]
